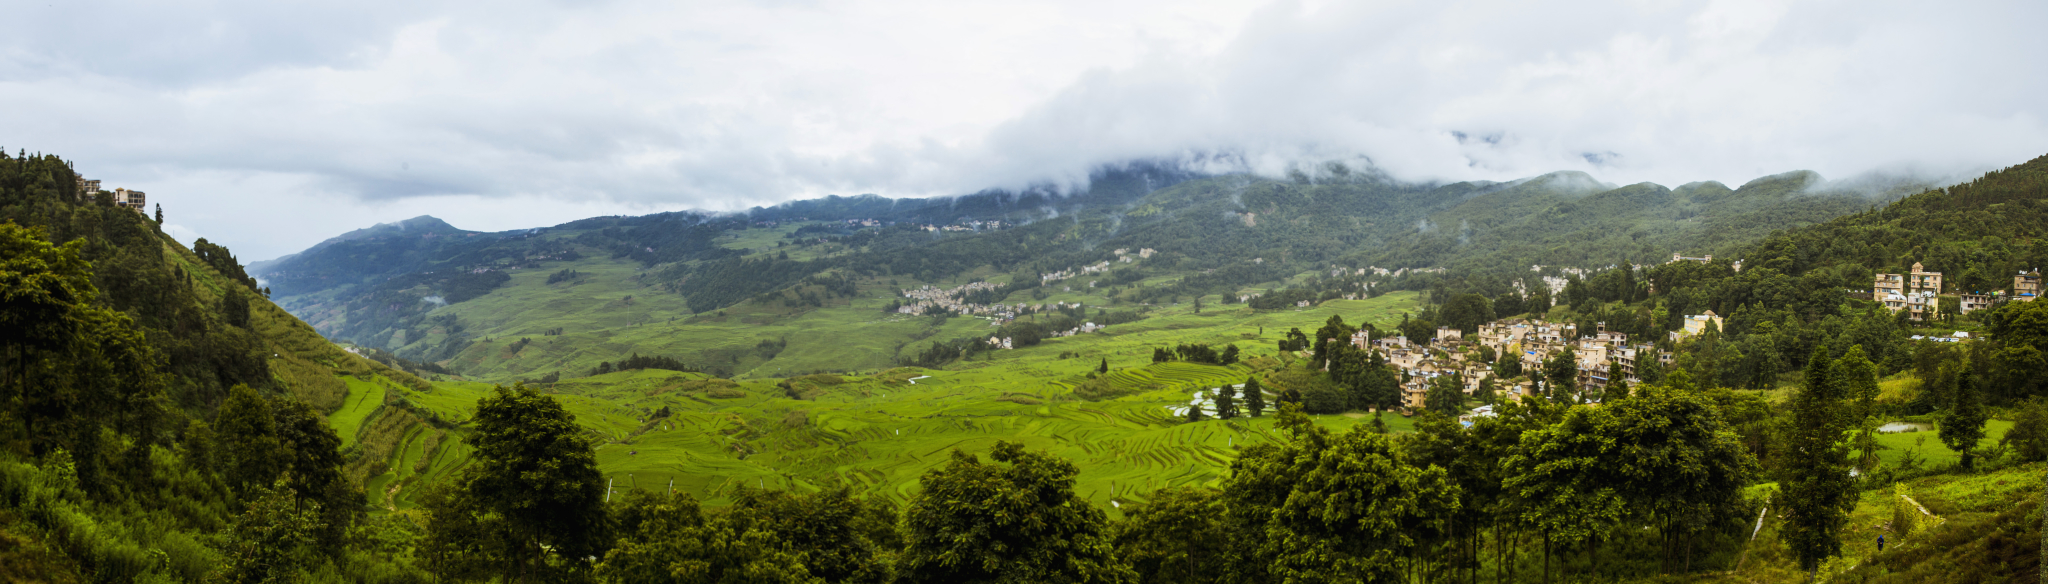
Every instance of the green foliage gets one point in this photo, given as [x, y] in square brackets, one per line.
[1254, 397]
[1016, 521]
[1176, 537]
[533, 471]
[1817, 486]
[1333, 507]
[271, 541]
[1446, 396]
[1963, 426]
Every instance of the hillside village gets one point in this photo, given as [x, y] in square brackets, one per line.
[131, 199]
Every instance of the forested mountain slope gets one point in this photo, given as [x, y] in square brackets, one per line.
[169, 391]
[429, 293]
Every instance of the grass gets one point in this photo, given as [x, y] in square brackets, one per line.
[363, 399]
[879, 431]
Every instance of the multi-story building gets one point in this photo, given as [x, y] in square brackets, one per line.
[130, 199]
[87, 188]
[1975, 302]
[1696, 324]
[1887, 285]
[1923, 281]
[2027, 286]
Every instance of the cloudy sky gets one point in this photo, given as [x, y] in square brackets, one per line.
[269, 126]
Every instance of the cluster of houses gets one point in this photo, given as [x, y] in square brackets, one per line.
[1097, 268]
[927, 297]
[1918, 292]
[968, 226]
[89, 189]
[1530, 341]
[1086, 327]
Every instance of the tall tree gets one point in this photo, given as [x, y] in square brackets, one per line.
[534, 468]
[1818, 490]
[1254, 396]
[1334, 508]
[1226, 402]
[1446, 396]
[1015, 521]
[1177, 537]
[1963, 426]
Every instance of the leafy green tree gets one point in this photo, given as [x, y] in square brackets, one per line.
[1677, 458]
[69, 366]
[271, 540]
[1104, 367]
[1817, 488]
[1226, 402]
[1617, 382]
[1334, 331]
[2028, 437]
[246, 430]
[1254, 397]
[1561, 374]
[1486, 393]
[1333, 508]
[1446, 396]
[667, 538]
[1466, 312]
[1176, 537]
[2020, 333]
[1195, 412]
[1963, 426]
[842, 537]
[534, 468]
[1016, 521]
[1561, 481]
[312, 466]
[1858, 379]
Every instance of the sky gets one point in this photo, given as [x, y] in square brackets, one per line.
[270, 126]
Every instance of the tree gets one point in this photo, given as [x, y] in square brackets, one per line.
[1194, 412]
[2029, 434]
[1104, 367]
[246, 431]
[269, 541]
[1446, 396]
[1818, 491]
[1617, 382]
[1254, 396]
[1015, 521]
[1485, 393]
[535, 470]
[1325, 507]
[1226, 402]
[667, 538]
[1562, 483]
[159, 213]
[1963, 426]
[1176, 537]
[1229, 356]
[1858, 379]
[1561, 374]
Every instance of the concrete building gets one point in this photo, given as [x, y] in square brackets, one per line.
[2027, 286]
[1975, 302]
[1696, 324]
[130, 199]
[1917, 281]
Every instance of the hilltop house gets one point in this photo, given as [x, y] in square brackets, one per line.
[2027, 286]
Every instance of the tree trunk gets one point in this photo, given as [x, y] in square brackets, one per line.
[1546, 557]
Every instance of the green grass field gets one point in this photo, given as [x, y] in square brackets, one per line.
[878, 431]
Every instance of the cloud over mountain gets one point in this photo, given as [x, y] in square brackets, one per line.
[272, 126]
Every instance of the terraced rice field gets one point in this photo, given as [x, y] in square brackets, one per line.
[878, 432]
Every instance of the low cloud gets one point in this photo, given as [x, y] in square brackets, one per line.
[268, 127]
